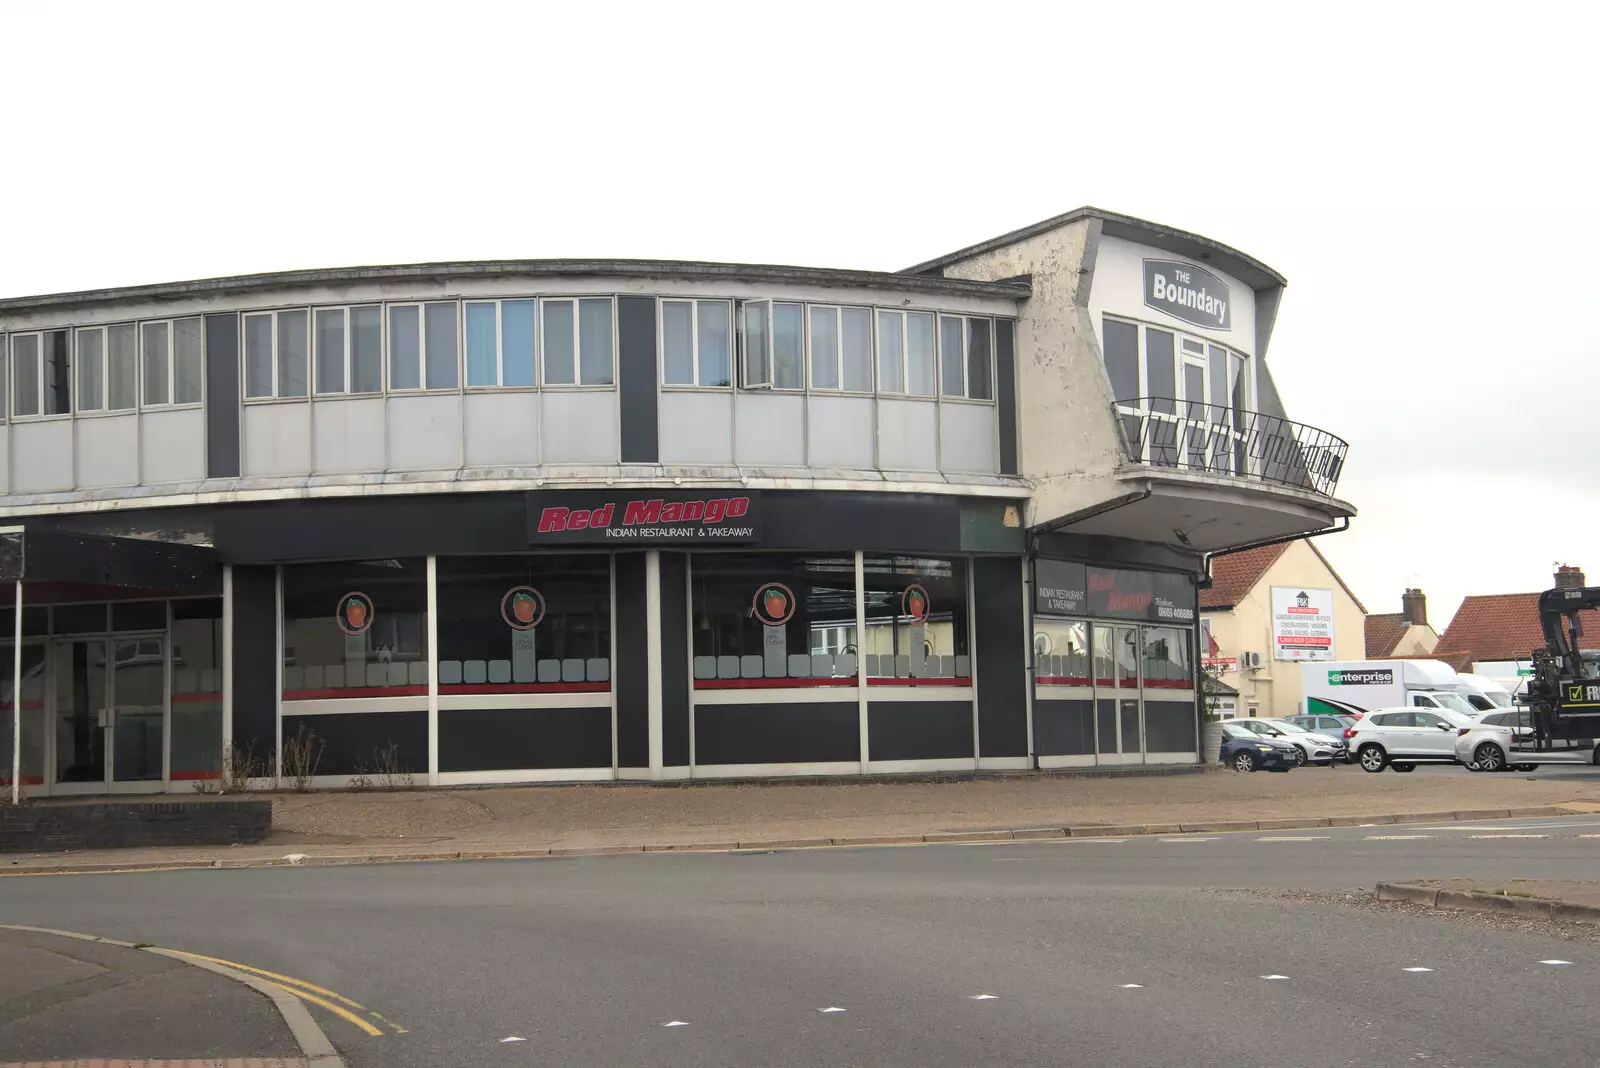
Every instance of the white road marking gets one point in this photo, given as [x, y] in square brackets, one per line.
[1416, 969]
[831, 1008]
[1130, 986]
[513, 1038]
[1508, 836]
[1589, 836]
[1110, 840]
[676, 1023]
[1174, 841]
[1397, 837]
[1299, 838]
[982, 997]
[1274, 977]
[1556, 963]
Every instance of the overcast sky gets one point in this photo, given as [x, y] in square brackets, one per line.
[1424, 175]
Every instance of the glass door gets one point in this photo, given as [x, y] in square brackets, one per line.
[81, 714]
[1130, 696]
[138, 711]
[1196, 424]
[33, 709]
[1118, 695]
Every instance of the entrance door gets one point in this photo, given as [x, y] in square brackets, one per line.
[109, 701]
[1194, 411]
[1119, 703]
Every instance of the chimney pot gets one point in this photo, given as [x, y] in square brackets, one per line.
[1569, 578]
[1414, 605]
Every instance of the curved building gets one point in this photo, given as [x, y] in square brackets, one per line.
[560, 520]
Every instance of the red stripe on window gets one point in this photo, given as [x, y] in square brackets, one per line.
[194, 698]
[1062, 680]
[355, 691]
[1168, 684]
[179, 775]
[768, 684]
[27, 780]
[956, 681]
[526, 687]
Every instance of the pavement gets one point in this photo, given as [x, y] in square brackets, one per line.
[66, 999]
[1228, 949]
[351, 827]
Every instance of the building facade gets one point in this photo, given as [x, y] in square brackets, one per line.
[633, 520]
[1268, 611]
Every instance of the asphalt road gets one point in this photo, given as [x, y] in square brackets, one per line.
[1092, 952]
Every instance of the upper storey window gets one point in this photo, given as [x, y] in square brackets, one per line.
[349, 349]
[696, 343]
[966, 357]
[424, 346]
[501, 337]
[841, 348]
[579, 343]
[774, 346]
[277, 351]
[905, 353]
[41, 373]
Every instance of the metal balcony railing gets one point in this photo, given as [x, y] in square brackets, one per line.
[1211, 438]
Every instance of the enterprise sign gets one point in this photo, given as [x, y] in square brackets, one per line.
[1187, 292]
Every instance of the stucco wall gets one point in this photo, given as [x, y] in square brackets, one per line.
[1247, 627]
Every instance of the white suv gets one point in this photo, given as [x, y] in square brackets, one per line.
[1404, 737]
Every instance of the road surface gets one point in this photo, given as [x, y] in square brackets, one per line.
[1117, 952]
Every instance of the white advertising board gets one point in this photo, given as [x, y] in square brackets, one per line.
[1302, 623]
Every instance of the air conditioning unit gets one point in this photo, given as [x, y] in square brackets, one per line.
[1250, 660]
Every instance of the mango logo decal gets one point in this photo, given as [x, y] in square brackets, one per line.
[522, 608]
[774, 604]
[355, 614]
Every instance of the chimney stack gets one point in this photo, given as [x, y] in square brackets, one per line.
[1569, 578]
[1414, 606]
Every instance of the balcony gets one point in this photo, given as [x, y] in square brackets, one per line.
[1202, 478]
[1214, 440]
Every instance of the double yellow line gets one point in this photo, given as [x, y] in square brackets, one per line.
[320, 996]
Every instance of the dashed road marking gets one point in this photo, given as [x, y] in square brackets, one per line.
[513, 1038]
[1175, 841]
[982, 997]
[832, 1008]
[1131, 986]
[676, 1023]
[1298, 838]
[1417, 969]
[1396, 837]
[1508, 836]
[1274, 977]
[1556, 963]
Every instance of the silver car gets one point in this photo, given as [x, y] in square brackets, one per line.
[1312, 747]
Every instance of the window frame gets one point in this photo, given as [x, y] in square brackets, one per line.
[966, 320]
[734, 347]
[499, 383]
[838, 313]
[542, 363]
[41, 356]
[347, 351]
[276, 345]
[141, 403]
[903, 314]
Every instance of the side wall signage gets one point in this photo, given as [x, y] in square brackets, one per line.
[1062, 588]
[1187, 292]
[643, 517]
[1302, 623]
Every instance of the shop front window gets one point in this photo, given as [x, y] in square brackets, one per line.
[1167, 663]
[916, 621]
[525, 624]
[33, 722]
[355, 629]
[196, 688]
[778, 620]
[1061, 652]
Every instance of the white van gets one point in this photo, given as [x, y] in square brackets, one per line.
[1482, 692]
[1352, 687]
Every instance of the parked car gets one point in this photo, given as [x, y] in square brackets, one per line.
[1245, 750]
[1404, 737]
[1490, 744]
[1332, 726]
[1313, 747]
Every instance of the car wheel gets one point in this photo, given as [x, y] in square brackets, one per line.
[1244, 760]
[1527, 767]
[1300, 757]
[1372, 758]
[1403, 766]
[1597, 754]
[1490, 757]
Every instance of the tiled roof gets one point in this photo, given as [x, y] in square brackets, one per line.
[1383, 632]
[1235, 575]
[1502, 626]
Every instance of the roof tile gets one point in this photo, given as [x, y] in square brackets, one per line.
[1384, 633]
[1502, 626]
[1233, 576]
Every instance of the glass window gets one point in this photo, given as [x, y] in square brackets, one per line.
[1061, 652]
[980, 359]
[516, 342]
[788, 347]
[122, 360]
[25, 374]
[196, 688]
[1166, 659]
[525, 624]
[824, 347]
[483, 353]
[757, 369]
[33, 708]
[330, 350]
[366, 349]
[952, 355]
[921, 380]
[405, 347]
[155, 348]
[188, 361]
[293, 352]
[560, 336]
[714, 342]
[91, 369]
[677, 342]
[891, 352]
[1122, 359]
[595, 346]
[856, 349]
[355, 629]
[440, 322]
[5, 367]
[916, 620]
[257, 355]
[57, 372]
[773, 619]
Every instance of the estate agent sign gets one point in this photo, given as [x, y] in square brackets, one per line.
[1302, 623]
